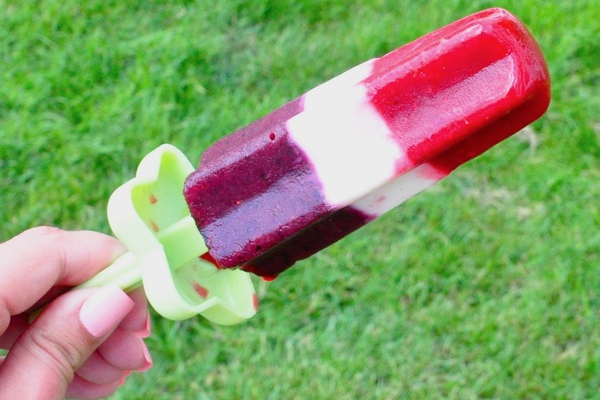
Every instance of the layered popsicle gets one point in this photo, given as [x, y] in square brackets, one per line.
[344, 153]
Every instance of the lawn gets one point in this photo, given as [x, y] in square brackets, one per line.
[486, 286]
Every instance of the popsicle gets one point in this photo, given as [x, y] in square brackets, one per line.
[336, 158]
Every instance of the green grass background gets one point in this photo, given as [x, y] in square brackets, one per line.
[485, 287]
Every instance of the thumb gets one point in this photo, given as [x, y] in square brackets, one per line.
[42, 362]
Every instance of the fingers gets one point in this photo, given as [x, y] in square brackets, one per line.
[138, 320]
[121, 353]
[82, 389]
[85, 342]
[41, 362]
[17, 326]
[124, 350]
[99, 371]
[41, 258]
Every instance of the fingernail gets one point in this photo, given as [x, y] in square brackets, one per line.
[145, 332]
[124, 378]
[102, 312]
[147, 359]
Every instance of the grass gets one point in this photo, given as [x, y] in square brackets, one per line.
[485, 287]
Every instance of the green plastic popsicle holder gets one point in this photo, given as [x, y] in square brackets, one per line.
[149, 215]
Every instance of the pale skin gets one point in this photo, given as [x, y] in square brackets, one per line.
[85, 342]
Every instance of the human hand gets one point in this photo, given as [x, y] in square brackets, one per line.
[85, 342]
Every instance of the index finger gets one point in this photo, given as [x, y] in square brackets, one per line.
[40, 258]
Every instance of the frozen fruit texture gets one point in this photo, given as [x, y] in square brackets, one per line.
[344, 153]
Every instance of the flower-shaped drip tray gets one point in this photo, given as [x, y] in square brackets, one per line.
[149, 215]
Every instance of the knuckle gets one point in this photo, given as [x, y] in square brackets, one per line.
[50, 237]
[55, 352]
